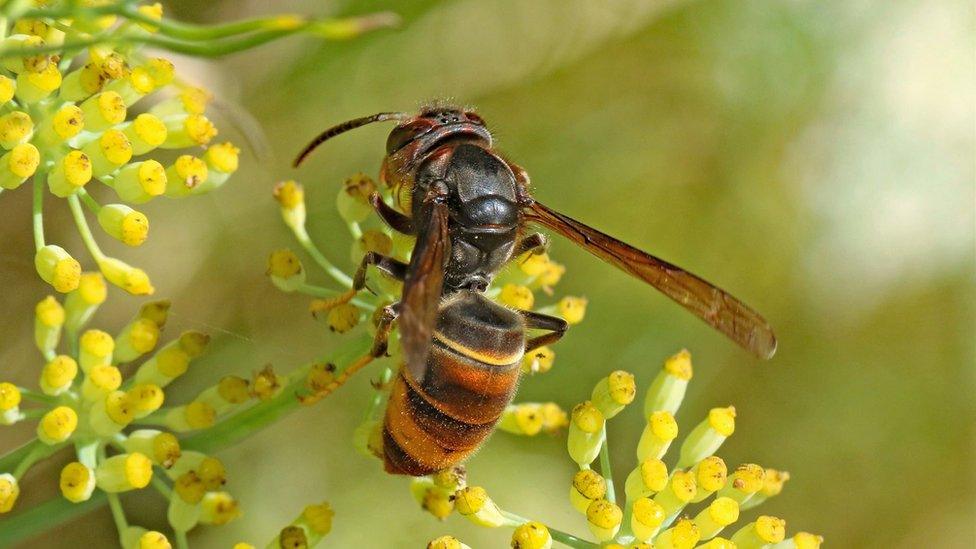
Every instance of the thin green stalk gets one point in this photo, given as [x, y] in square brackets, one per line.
[42, 517]
[38, 397]
[319, 291]
[89, 201]
[33, 413]
[118, 515]
[36, 454]
[10, 460]
[86, 235]
[377, 399]
[566, 539]
[342, 278]
[181, 541]
[607, 471]
[37, 212]
[239, 426]
[161, 487]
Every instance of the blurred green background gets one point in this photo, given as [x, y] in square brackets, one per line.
[814, 158]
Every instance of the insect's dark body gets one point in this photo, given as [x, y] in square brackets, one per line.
[468, 208]
[472, 374]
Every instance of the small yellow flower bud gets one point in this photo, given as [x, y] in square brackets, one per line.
[200, 415]
[680, 490]
[647, 518]
[538, 361]
[15, 128]
[660, 431]
[604, 519]
[9, 491]
[218, 508]
[473, 502]
[162, 447]
[554, 418]
[156, 311]
[531, 535]
[82, 302]
[124, 224]
[56, 267]
[109, 415]
[8, 87]
[151, 11]
[519, 297]
[124, 472]
[58, 374]
[71, 173]
[96, 348]
[139, 182]
[103, 110]
[184, 175]
[773, 482]
[48, 319]
[552, 275]
[707, 436]
[188, 130]
[57, 425]
[129, 278]
[265, 384]
[587, 486]
[18, 165]
[744, 482]
[719, 514]
[136, 339]
[34, 86]
[761, 533]
[32, 63]
[711, 474]
[161, 70]
[9, 403]
[285, 270]
[371, 241]
[77, 482]
[153, 540]
[101, 379]
[80, 84]
[648, 478]
[233, 389]
[451, 479]
[586, 433]
[447, 542]
[534, 265]
[437, 502]
[145, 133]
[683, 535]
[292, 537]
[145, 399]
[353, 199]
[291, 197]
[222, 160]
[717, 543]
[613, 392]
[669, 387]
[133, 86]
[521, 419]
[343, 317]
[108, 153]
[572, 309]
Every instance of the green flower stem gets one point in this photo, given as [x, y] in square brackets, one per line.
[302, 236]
[42, 517]
[239, 426]
[86, 235]
[33, 413]
[607, 471]
[181, 541]
[10, 460]
[355, 230]
[161, 486]
[38, 397]
[37, 212]
[568, 540]
[118, 515]
[89, 201]
[36, 453]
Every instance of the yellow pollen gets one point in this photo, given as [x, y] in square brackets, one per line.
[679, 365]
[604, 514]
[135, 228]
[283, 264]
[265, 383]
[724, 511]
[199, 128]
[146, 397]
[7, 89]
[112, 107]
[712, 474]
[138, 470]
[200, 415]
[172, 361]
[59, 372]
[233, 389]
[623, 387]
[105, 376]
[654, 474]
[470, 500]
[538, 361]
[773, 482]
[189, 487]
[141, 80]
[15, 126]
[58, 424]
[195, 100]
[92, 288]
[590, 484]
[534, 264]
[161, 70]
[97, 343]
[9, 396]
[191, 170]
[154, 540]
[517, 296]
[649, 512]
[212, 472]
[116, 147]
[166, 449]
[223, 157]
[144, 335]
[119, 408]
[722, 420]
[343, 317]
[68, 121]
[49, 312]
[46, 80]
[771, 529]
[748, 478]
[683, 485]
[684, 534]
[150, 129]
[152, 177]
[587, 417]
[806, 540]
[572, 309]
[75, 481]
[289, 194]
[663, 425]
[531, 535]
[77, 168]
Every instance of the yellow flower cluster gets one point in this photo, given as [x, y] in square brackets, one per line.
[122, 436]
[108, 113]
[655, 511]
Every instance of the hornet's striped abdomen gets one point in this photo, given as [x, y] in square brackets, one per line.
[439, 417]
